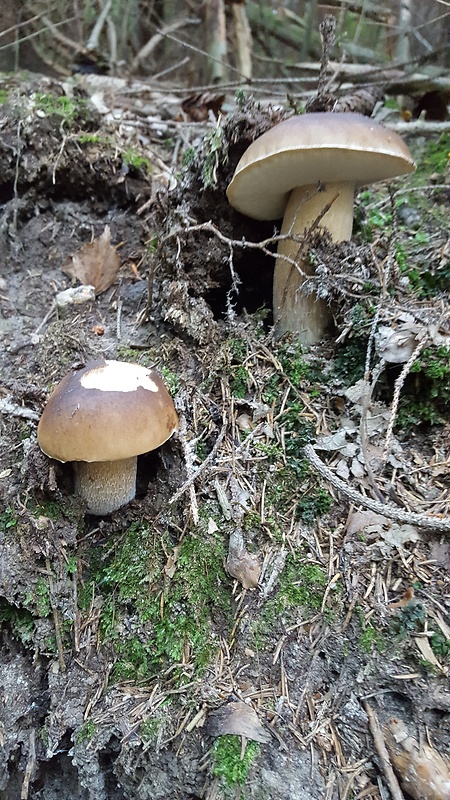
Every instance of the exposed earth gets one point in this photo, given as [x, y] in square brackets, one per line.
[243, 627]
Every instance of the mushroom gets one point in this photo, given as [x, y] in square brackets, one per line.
[306, 170]
[102, 417]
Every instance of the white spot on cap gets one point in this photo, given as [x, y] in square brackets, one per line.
[118, 376]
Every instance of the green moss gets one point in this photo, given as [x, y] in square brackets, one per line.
[94, 138]
[301, 584]
[440, 645]
[86, 733]
[214, 153]
[50, 509]
[188, 157]
[239, 382]
[435, 156]
[8, 519]
[171, 380]
[20, 621]
[408, 620]
[68, 109]
[370, 217]
[151, 726]
[295, 369]
[313, 505]
[371, 639]
[136, 161]
[426, 395]
[38, 600]
[3, 96]
[154, 621]
[42, 597]
[426, 279]
[300, 590]
[349, 361]
[229, 762]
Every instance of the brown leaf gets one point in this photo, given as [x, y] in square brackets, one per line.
[239, 719]
[197, 106]
[95, 264]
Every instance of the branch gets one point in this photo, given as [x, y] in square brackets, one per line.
[152, 43]
[386, 509]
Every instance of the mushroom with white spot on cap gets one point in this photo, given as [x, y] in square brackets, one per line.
[295, 171]
[102, 417]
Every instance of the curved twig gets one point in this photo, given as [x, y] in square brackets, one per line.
[386, 509]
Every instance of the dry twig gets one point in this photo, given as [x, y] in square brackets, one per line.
[386, 509]
[383, 754]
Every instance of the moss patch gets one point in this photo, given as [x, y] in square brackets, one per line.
[159, 600]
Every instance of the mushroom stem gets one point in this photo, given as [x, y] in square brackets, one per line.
[306, 314]
[105, 486]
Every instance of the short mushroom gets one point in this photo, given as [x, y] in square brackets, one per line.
[102, 417]
[306, 170]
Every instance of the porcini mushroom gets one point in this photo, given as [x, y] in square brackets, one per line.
[102, 417]
[296, 170]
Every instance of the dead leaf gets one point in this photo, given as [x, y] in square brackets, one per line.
[397, 535]
[95, 264]
[171, 563]
[360, 520]
[396, 345]
[342, 470]
[239, 719]
[422, 771]
[241, 564]
[337, 441]
[197, 107]
[407, 598]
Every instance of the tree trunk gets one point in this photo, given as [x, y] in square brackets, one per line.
[243, 39]
[216, 41]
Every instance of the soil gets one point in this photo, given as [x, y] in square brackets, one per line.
[70, 726]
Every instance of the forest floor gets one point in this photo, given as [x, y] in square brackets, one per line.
[244, 627]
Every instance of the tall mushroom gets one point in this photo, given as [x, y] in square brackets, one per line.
[102, 417]
[306, 169]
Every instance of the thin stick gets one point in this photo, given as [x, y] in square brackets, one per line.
[59, 645]
[397, 389]
[382, 752]
[30, 767]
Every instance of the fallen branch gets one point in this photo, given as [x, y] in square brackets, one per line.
[420, 126]
[158, 37]
[11, 409]
[380, 747]
[386, 509]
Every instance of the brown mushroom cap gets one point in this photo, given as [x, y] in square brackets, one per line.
[314, 148]
[108, 411]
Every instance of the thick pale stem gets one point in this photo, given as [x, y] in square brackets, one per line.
[308, 315]
[105, 486]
